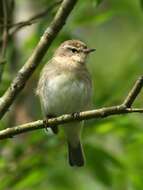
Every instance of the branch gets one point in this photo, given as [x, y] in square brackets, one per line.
[33, 19]
[98, 113]
[15, 27]
[124, 108]
[26, 71]
[4, 37]
[134, 92]
[5, 29]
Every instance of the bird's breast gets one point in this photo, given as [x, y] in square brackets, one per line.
[65, 94]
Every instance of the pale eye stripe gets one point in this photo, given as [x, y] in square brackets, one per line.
[71, 47]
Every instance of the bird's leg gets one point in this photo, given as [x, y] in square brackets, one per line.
[54, 128]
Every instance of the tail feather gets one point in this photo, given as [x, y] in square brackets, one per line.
[75, 154]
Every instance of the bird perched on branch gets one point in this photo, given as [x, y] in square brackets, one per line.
[65, 87]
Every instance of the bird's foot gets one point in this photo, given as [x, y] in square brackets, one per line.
[54, 128]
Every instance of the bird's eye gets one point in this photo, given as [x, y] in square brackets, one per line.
[74, 50]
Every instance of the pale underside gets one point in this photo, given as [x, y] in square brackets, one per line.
[63, 92]
[63, 95]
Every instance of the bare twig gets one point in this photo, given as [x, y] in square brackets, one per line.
[33, 19]
[5, 29]
[4, 37]
[133, 93]
[14, 27]
[98, 113]
[26, 71]
[124, 108]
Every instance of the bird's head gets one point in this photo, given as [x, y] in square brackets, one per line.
[72, 51]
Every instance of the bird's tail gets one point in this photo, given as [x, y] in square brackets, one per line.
[75, 152]
[75, 155]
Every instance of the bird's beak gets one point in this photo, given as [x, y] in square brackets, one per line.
[89, 50]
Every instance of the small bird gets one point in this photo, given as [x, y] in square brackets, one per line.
[65, 87]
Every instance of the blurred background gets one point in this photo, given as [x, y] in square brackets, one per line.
[113, 146]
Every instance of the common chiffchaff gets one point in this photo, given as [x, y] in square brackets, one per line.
[65, 87]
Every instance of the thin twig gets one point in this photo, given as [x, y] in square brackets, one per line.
[134, 93]
[33, 19]
[5, 29]
[98, 113]
[4, 37]
[17, 26]
[26, 71]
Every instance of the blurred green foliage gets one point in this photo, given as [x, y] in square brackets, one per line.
[113, 146]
